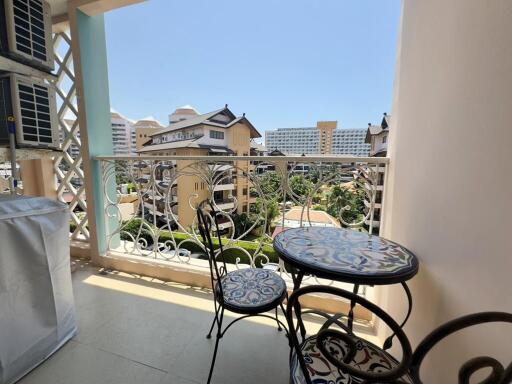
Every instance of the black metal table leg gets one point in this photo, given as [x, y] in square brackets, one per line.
[297, 276]
[350, 320]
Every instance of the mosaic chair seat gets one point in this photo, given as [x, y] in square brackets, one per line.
[335, 355]
[248, 292]
[369, 358]
[251, 290]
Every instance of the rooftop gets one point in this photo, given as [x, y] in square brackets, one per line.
[314, 217]
[191, 143]
[187, 109]
[209, 119]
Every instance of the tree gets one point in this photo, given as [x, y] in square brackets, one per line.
[271, 212]
[270, 184]
[242, 223]
[340, 197]
[121, 170]
[300, 186]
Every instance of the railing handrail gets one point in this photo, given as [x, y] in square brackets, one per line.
[298, 159]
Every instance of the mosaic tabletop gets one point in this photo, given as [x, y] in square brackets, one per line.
[346, 255]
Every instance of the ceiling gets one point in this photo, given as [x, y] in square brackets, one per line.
[90, 7]
[59, 7]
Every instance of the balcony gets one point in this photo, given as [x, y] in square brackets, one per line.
[225, 205]
[143, 309]
[226, 185]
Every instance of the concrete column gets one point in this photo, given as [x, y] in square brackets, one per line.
[91, 72]
[38, 178]
[449, 185]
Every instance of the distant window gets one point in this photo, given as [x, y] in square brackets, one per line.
[384, 139]
[244, 192]
[216, 135]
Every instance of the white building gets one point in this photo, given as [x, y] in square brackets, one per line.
[122, 128]
[349, 141]
[293, 140]
[325, 138]
[124, 133]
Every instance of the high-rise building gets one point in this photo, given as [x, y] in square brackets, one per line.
[215, 133]
[323, 139]
[121, 133]
[127, 134]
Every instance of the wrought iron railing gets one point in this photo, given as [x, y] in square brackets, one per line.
[153, 212]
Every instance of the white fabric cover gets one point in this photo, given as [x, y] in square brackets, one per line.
[36, 297]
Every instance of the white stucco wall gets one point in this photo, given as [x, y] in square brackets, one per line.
[449, 196]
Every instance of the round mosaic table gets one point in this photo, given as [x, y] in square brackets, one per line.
[346, 255]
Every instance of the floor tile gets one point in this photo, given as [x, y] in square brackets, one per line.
[248, 353]
[137, 331]
[77, 363]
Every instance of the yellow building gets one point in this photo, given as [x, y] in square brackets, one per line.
[326, 129]
[218, 133]
[143, 129]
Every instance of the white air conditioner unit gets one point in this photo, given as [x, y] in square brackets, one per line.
[32, 105]
[26, 32]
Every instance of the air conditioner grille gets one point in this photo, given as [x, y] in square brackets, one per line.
[29, 28]
[36, 123]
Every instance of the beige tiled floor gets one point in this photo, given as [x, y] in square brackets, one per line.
[138, 331]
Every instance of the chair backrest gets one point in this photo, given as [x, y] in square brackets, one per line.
[333, 326]
[498, 375]
[207, 223]
[411, 362]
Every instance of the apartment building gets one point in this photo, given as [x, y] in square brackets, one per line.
[121, 133]
[323, 139]
[377, 137]
[127, 134]
[215, 133]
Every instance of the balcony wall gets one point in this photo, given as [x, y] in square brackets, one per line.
[448, 196]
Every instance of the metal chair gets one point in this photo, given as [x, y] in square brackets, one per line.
[498, 375]
[248, 292]
[335, 354]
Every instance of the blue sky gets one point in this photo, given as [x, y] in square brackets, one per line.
[285, 63]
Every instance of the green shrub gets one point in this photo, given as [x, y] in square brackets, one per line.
[230, 254]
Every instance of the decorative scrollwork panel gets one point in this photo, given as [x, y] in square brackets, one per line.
[156, 201]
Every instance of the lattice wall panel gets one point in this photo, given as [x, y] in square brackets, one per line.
[68, 166]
